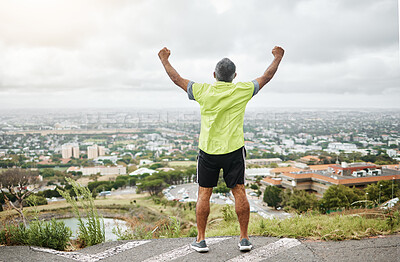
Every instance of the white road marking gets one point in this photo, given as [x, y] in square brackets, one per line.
[267, 251]
[92, 257]
[181, 251]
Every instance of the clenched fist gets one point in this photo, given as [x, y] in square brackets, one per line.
[278, 51]
[164, 54]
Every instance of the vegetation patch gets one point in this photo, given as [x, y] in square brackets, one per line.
[313, 225]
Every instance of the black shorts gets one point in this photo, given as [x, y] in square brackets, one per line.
[232, 164]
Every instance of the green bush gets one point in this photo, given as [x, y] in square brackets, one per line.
[12, 235]
[34, 200]
[228, 213]
[192, 232]
[254, 186]
[51, 234]
[171, 229]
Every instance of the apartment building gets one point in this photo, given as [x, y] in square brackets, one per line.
[95, 151]
[70, 150]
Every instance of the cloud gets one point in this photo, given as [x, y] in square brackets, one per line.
[109, 48]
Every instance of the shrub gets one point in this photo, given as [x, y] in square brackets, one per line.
[192, 232]
[254, 186]
[51, 234]
[34, 200]
[12, 235]
[228, 213]
[171, 229]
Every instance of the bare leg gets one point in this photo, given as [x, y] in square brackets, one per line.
[242, 208]
[202, 211]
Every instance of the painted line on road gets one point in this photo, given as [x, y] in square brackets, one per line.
[93, 257]
[181, 251]
[267, 251]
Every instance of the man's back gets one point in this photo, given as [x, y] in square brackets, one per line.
[222, 107]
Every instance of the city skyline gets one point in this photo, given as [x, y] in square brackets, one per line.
[338, 54]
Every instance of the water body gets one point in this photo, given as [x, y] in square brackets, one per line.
[109, 224]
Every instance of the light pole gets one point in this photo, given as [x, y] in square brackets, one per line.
[366, 200]
[380, 187]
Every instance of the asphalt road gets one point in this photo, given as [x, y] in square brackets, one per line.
[380, 249]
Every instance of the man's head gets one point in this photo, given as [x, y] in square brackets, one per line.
[225, 70]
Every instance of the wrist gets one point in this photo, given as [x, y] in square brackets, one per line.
[164, 60]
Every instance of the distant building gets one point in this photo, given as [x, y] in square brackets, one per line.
[70, 150]
[102, 150]
[253, 172]
[279, 170]
[317, 179]
[102, 170]
[100, 159]
[142, 171]
[264, 161]
[92, 152]
[346, 169]
[95, 151]
[337, 147]
[391, 152]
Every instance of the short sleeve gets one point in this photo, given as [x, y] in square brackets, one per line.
[190, 90]
[256, 87]
[198, 91]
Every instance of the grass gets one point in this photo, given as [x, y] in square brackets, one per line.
[62, 169]
[310, 226]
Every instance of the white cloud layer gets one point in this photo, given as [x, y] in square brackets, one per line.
[104, 53]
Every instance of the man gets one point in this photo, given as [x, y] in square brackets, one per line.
[221, 140]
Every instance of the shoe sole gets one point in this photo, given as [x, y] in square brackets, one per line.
[200, 249]
[245, 248]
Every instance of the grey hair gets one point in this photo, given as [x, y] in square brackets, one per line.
[225, 70]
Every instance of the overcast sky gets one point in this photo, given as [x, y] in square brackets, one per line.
[101, 53]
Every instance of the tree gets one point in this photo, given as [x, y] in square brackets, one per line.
[340, 196]
[382, 191]
[153, 186]
[272, 196]
[299, 200]
[254, 186]
[155, 166]
[16, 181]
[221, 188]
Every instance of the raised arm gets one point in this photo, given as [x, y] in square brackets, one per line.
[172, 73]
[270, 72]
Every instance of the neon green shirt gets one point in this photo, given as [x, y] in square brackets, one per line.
[222, 107]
